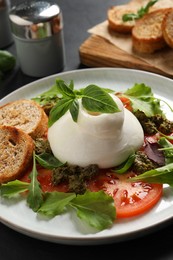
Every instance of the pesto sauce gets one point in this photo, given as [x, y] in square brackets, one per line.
[75, 176]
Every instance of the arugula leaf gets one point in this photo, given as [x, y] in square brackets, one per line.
[35, 195]
[55, 203]
[13, 188]
[167, 149]
[140, 13]
[95, 99]
[126, 165]
[47, 96]
[163, 175]
[48, 161]
[95, 208]
[142, 98]
[139, 90]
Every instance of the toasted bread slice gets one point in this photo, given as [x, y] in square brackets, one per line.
[167, 28]
[115, 18]
[147, 36]
[26, 115]
[16, 149]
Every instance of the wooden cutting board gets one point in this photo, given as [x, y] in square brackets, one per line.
[98, 52]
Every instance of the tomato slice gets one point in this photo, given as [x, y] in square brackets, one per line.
[45, 179]
[126, 101]
[131, 198]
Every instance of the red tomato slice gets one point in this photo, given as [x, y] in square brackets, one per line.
[45, 179]
[131, 198]
[126, 101]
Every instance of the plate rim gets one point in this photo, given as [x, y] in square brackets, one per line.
[88, 239]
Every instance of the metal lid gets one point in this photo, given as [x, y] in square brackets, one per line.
[35, 19]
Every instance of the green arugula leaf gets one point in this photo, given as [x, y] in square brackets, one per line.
[48, 161]
[140, 13]
[142, 98]
[95, 208]
[35, 195]
[163, 175]
[126, 165]
[167, 149]
[55, 203]
[47, 96]
[13, 188]
[95, 99]
[139, 90]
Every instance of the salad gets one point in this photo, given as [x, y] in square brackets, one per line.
[99, 196]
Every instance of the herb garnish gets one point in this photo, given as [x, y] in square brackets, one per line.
[163, 175]
[95, 208]
[140, 13]
[142, 98]
[94, 99]
[35, 195]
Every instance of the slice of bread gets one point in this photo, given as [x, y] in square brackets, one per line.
[167, 28]
[16, 150]
[115, 18]
[26, 115]
[147, 36]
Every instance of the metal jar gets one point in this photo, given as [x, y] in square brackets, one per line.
[37, 28]
[5, 30]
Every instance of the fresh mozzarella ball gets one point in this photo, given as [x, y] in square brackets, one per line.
[103, 139]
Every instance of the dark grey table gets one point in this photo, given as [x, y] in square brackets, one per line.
[79, 16]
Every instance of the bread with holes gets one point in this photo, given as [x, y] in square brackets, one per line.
[147, 35]
[167, 28]
[16, 153]
[26, 115]
[115, 18]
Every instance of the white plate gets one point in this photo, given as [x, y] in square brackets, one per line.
[63, 229]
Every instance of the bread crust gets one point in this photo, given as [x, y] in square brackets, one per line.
[16, 153]
[167, 28]
[115, 18]
[26, 115]
[147, 36]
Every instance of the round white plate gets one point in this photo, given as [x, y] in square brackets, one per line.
[64, 229]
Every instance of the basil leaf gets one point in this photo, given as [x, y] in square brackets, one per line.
[35, 195]
[59, 110]
[13, 188]
[74, 110]
[71, 85]
[95, 208]
[65, 90]
[95, 99]
[48, 161]
[55, 203]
